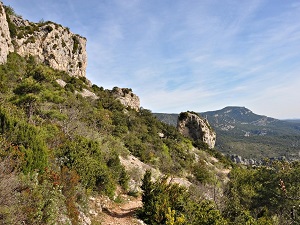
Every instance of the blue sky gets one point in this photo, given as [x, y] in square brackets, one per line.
[179, 55]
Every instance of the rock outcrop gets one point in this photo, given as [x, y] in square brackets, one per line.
[48, 42]
[192, 125]
[127, 98]
[5, 40]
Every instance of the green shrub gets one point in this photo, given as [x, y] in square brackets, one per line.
[31, 39]
[183, 115]
[9, 10]
[42, 201]
[28, 138]
[202, 172]
[48, 28]
[159, 198]
[166, 203]
[96, 172]
[12, 28]
[76, 44]
[70, 88]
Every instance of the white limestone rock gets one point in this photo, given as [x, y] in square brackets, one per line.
[5, 40]
[193, 126]
[48, 42]
[127, 98]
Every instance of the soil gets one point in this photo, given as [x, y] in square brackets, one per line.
[113, 213]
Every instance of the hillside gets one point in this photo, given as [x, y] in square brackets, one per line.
[242, 132]
[64, 140]
[77, 146]
[72, 153]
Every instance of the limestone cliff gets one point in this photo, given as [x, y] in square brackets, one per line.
[5, 40]
[127, 98]
[193, 126]
[48, 42]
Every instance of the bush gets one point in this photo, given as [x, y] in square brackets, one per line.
[75, 44]
[96, 170]
[9, 10]
[166, 203]
[42, 201]
[183, 115]
[160, 199]
[48, 28]
[11, 26]
[27, 138]
[202, 172]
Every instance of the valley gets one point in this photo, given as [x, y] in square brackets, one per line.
[242, 132]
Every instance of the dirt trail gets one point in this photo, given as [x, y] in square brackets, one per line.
[120, 213]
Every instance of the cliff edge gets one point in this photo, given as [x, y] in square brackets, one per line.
[50, 43]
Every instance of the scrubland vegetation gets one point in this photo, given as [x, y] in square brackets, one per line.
[57, 148]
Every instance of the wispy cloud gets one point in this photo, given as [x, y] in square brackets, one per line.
[195, 55]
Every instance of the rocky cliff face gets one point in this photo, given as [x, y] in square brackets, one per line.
[5, 40]
[127, 98]
[193, 126]
[48, 42]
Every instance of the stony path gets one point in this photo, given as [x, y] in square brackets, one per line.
[120, 213]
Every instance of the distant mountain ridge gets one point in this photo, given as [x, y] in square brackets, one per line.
[293, 120]
[240, 131]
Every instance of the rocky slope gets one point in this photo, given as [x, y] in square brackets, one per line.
[48, 42]
[75, 141]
